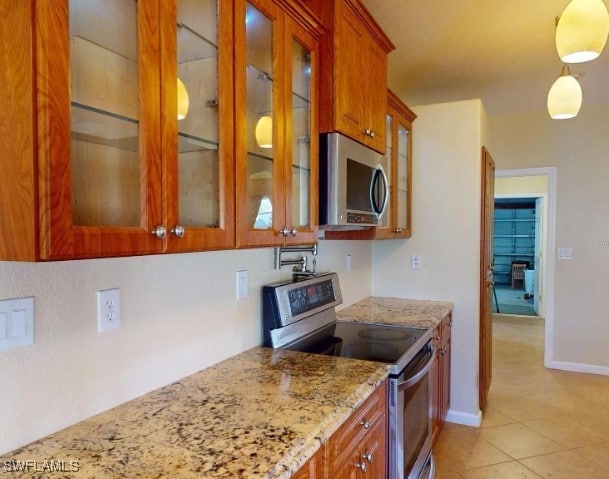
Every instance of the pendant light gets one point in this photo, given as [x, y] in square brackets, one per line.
[565, 96]
[581, 31]
[264, 132]
[183, 101]
[264, 125]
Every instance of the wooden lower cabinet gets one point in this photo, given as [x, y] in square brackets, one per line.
[358, 449]
[313, 468]
[440, 376]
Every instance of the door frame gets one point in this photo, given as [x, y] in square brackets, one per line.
[548, 273]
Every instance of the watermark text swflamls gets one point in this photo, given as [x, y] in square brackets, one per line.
[47, 465]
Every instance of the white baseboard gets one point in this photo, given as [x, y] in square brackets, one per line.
[578, 367]
[464, 418]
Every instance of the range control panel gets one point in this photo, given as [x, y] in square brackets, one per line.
[287, 302]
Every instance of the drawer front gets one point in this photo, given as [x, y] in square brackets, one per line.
[355, 430]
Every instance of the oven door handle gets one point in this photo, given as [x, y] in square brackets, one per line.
[421, 372]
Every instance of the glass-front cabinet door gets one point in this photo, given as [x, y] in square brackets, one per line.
[98, 100]
[198, 124]
[276, 126]
[403, 181]
[401, 168]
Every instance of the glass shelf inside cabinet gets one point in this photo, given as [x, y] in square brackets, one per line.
[101, 127]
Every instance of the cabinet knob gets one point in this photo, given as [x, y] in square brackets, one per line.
[398, 230]
[284, 232]
[367, 132]
[160, 231]
[444, 350]
[372, 133]
[293, 231]
[365, 424]
[362, 466]
[368, 457]
[178, 230]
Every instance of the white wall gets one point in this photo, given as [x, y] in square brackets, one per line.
[579, 149]
[178, 315]
[446, 233]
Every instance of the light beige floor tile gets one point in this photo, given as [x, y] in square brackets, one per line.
[533, 413]
[565, 465]
[567, 431]
[506, 470]
[461, 450]
[518, 407]
[598, 454]
[492, 417]
[519, 441]
[452, 427]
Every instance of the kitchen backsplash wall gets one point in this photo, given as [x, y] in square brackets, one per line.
[178, 315]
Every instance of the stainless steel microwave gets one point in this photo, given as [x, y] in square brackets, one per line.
[353, 187]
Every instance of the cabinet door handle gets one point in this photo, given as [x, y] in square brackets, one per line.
[285, 231]
[293, 231]
[362, 466]
[372, 133]
[178, 230]
[367, 132]
[160, 231]
[365, 424]
[368, 457]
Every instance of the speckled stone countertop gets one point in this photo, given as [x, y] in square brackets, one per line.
[409, 312]
[260, 414]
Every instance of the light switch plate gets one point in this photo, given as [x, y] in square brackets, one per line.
[108, 309]
[242, 284]
[16, 322]
[565, 253]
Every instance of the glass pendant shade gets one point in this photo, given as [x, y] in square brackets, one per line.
[565, 97]
[581, 32]
[183, 101]
[264, 132]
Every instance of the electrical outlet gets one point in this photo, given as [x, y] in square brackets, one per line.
[108, 309]
[242, 284]
[415, 261]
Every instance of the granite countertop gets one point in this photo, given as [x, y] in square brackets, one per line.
[260, 414]
[409, 312]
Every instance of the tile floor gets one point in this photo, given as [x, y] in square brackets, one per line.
[539, 423]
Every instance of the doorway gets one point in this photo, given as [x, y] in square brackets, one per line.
[517, 249]
[538, 185]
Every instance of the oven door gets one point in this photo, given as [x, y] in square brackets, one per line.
[409, 418]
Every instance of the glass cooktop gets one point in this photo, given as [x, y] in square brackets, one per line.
[371, 342]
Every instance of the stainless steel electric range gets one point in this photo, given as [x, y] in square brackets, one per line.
[301, 316]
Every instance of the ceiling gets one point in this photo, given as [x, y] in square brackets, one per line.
[501, 51]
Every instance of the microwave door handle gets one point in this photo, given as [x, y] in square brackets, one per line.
[422, 372]
[379, 175]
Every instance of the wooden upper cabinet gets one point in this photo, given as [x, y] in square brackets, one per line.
[276, 71]
[353, 94]
[112, 162]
